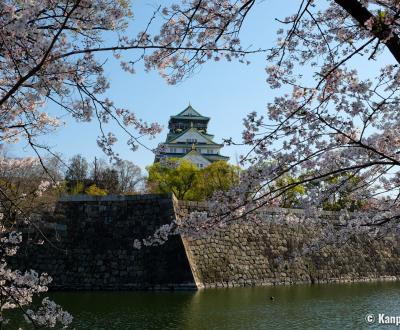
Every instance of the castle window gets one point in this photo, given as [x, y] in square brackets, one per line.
[173, 150]
[191, 140]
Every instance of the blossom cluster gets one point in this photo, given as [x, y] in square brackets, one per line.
[48, 61]
[336, 131]
[18, 288]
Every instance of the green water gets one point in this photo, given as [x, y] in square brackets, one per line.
[341, 306]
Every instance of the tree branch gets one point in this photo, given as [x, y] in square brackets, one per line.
[362, 15]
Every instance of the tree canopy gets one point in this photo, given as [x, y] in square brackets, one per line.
[102, 178]
[332, 120]
[188, 182]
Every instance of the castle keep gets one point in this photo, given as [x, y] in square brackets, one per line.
[188, 138]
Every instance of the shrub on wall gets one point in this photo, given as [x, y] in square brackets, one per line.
[93, 190]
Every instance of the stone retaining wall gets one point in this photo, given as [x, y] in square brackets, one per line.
[261, 253]
[93, 245]
[94, 240]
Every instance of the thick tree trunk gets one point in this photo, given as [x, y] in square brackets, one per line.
[361, 15]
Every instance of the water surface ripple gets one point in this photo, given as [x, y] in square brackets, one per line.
[330, 306]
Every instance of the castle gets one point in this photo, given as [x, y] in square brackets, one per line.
[188, 138]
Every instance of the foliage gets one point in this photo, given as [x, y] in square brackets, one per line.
[217, 176]
[93, 190]
[24, 184]
[333, 122]
[342, 198]
[76, 188]
[290, 197]
[187, 182]
[175, 175]
[330, 121]
[124, 177]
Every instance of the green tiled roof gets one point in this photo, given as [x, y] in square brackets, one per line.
[172, 136]
[190, 117]
[198, 123]
[189, 113]
[169, 139]
[209, 157]
[190, 144]
[213, 157]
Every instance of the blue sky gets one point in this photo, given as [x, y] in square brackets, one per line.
[224, 91]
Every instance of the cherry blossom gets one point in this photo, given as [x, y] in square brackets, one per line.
[18, 288]
[332, 128]
[336, 130]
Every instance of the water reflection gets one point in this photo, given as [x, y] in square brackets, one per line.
[295, 307]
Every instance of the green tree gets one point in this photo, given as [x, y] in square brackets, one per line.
[176, 175]
[217, 176]
[187, 182]
[77, 188]
[290, 197]
[340, 197]
[337, 190]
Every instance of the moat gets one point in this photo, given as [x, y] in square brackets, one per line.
[328, 306]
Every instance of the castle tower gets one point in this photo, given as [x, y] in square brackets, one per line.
[188, 138]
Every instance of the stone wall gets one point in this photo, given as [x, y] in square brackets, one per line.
[92, 245]
[250, 254]
[91, 248]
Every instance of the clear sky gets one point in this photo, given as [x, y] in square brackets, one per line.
[224, 91]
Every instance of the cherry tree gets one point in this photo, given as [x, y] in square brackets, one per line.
[334, 129]
[332, 120]
[49, 67]
[49, 58]
[26, 192]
